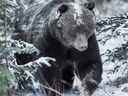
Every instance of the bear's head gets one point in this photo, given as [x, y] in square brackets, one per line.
[73, 24]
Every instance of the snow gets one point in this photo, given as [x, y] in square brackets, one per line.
[23, 47]
[114, 57]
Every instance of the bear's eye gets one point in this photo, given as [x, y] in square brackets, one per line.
[90, 5]
[63, 8]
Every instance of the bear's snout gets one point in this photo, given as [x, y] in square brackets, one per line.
[81, 43]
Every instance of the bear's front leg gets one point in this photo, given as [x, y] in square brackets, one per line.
[90, 68]
[90, 77]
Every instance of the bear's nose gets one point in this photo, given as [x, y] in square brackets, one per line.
[82, 47]
[81, 43]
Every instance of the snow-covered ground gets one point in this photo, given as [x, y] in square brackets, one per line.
[113, 41]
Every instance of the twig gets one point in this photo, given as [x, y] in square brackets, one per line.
[51, 89]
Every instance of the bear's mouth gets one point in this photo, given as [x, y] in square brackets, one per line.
[78, 49]
[81, 49]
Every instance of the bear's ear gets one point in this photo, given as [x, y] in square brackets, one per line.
[90, 5]
[63, 8]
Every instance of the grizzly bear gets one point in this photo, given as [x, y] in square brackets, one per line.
[64, 30]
